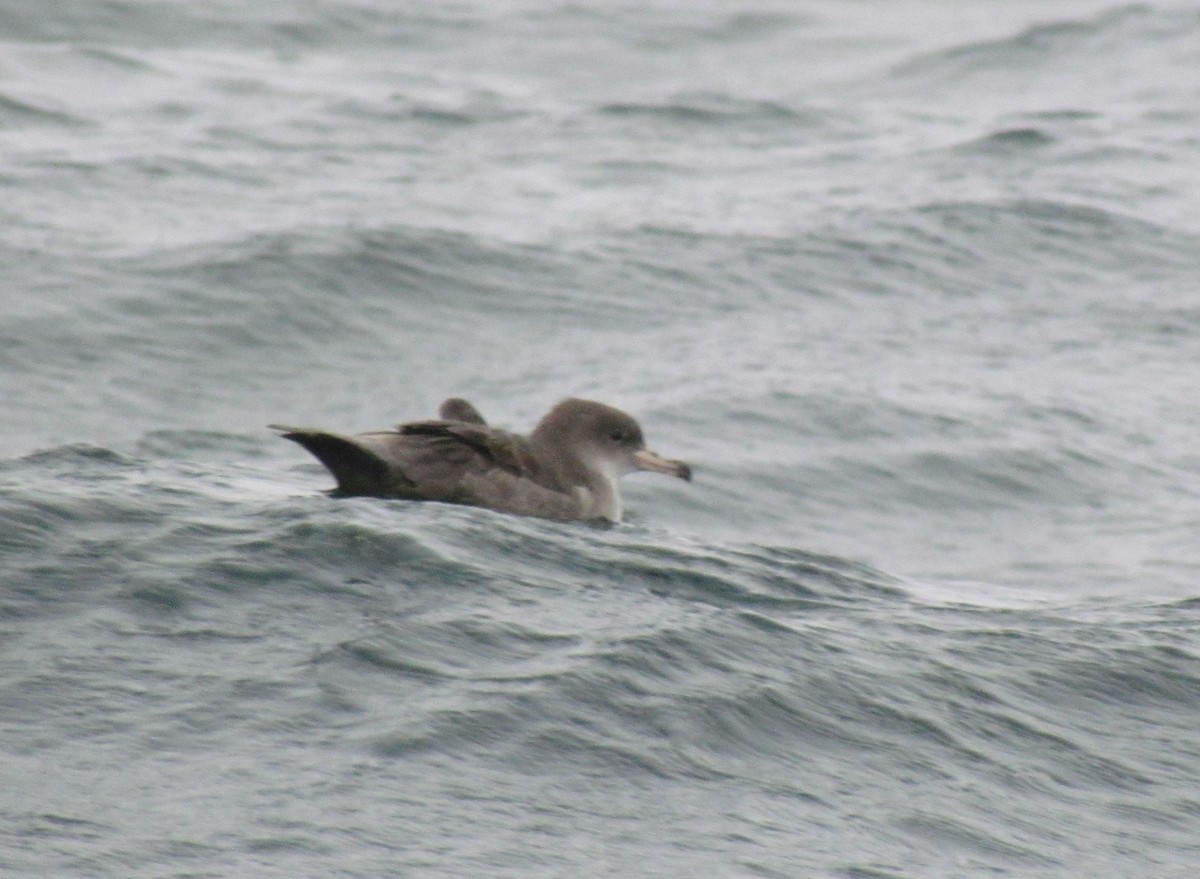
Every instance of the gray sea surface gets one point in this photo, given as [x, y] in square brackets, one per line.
[914, 286]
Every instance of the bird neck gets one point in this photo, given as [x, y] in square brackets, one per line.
[605, 496]
[593, 482]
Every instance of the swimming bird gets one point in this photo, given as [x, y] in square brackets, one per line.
[567, 468]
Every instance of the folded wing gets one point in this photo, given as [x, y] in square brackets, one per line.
[451, 461]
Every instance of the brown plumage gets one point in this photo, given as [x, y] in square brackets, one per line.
[567, 468]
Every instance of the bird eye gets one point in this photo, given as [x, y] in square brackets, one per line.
[617, 436]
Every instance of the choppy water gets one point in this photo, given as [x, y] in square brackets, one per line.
[914, 286]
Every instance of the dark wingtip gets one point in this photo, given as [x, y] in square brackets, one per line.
[358, 471]
[458, 409]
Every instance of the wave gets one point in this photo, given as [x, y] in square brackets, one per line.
[348, 308]
[709, 108]
[15, 113]
[220, 319]
[87, 496]
[273, 23]
[1138, 26]
[425, 633]
[969, 247]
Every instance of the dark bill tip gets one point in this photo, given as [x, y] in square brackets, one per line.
[656, 463]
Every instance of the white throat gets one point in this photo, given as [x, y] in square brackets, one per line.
[602, 499]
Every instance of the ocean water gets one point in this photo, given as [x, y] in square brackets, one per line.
[914, 286]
